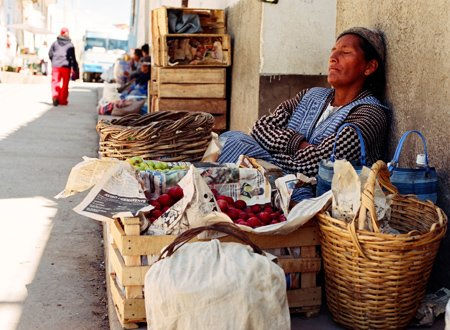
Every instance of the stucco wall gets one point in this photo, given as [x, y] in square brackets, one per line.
[244, 25]
[297, 36]
[418, 42]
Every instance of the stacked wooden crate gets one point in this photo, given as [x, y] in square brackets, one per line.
[127, 273]
[176, 86]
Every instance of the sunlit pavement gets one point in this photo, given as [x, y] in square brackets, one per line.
[51, 259]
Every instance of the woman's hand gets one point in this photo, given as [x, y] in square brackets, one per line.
[304, 145]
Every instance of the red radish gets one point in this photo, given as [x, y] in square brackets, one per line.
[264, 217]
[268, 209]
[275, 215]
[273, 222]
[165, 208]
[267, 205]
[215, 192]
[223, 205]
[282, 218]
[151, 219]
[229, 200]
[176, 193]
[243, 215]
[222, 197]
[165, 200]
[233, 213]
[155, 214]
[254, 222]
[243, 223]
[255, 208]
[241, 205]
[250, 215]
[155, 204]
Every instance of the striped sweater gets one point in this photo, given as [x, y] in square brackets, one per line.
[272, 134]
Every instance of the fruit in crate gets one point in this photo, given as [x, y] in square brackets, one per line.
[164, 202]
[153, 165]
[253, 216]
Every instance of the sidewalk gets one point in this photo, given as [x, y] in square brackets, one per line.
[52, 259]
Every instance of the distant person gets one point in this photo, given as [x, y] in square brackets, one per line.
[43, 58]
[62, 55]
[145, 50]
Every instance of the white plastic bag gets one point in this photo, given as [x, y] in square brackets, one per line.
[214, 285]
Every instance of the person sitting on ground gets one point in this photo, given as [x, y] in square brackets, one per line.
[145, 50]
[302, 130]
[139, 85]
[135, 59]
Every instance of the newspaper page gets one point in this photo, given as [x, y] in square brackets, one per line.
[86, 174]
[118, 192]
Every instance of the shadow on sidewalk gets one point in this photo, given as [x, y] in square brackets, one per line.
[54, 252]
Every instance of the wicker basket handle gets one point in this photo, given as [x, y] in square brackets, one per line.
[379, 170]
[222, 227]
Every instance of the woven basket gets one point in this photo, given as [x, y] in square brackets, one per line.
[164, 135]
[375, 280]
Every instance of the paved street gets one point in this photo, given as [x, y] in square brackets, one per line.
[52, 276]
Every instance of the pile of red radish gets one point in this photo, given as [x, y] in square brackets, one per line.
[252, 216]
[164, 202]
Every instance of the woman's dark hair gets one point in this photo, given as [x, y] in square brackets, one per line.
[138, 52]
[377, 80]
[145, 49]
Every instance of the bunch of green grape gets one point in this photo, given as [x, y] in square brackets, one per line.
[153, 165]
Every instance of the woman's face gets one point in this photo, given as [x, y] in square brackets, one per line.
[347, 66]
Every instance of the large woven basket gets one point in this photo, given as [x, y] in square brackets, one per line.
[375, 280]
[164, 135]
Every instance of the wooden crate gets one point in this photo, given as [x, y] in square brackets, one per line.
[187, 89]
[214, 26]
[127, 246]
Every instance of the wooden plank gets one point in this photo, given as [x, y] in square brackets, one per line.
[127, 275]
[163, 21]
[155, 39]
[213, 91]
[299, 265]
[152, 245]
[132, 228]
[128, 310]
[117, 234]
[220, 122]
[304, 236]
[213, 106]
[147, 245]
[304, 297]
[191, 76]
[308, 279]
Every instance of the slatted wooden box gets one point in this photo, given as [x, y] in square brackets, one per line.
[187, 89]
[127, 246]
[213, 24]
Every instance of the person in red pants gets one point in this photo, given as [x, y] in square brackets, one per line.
[62, 55]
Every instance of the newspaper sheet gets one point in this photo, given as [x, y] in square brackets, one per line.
[118, 192]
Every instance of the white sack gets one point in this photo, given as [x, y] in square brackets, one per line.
[214, 285]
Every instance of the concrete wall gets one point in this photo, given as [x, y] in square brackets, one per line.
[297, 36]
[418, 42]
[289, 42]
[244, 25]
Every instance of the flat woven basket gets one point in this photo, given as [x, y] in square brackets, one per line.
[164, 135]
[375, 280]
